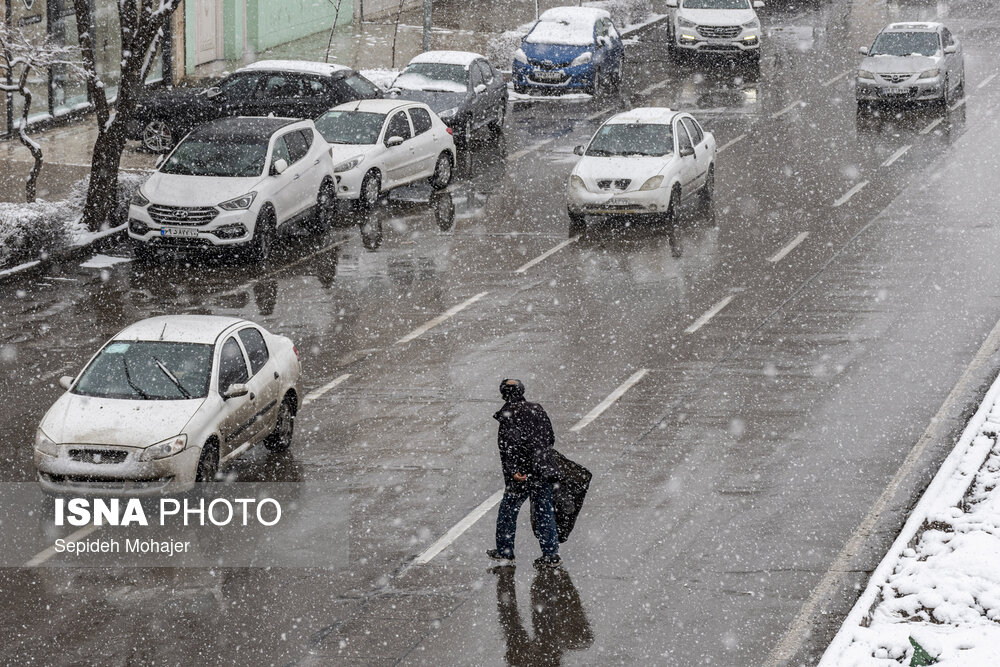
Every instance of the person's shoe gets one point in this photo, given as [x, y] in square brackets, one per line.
[496, 555]
[548, 561]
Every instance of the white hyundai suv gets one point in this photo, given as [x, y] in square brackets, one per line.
[716, 26]
[231, 183]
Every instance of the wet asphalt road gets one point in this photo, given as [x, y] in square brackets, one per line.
[728, 477]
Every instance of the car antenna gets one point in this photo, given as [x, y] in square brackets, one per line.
[163, 331]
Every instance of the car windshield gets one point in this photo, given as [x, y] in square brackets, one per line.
[564, 29]
[716, 4]
[350, 127]
[905, 44]
[433, 77]
[149, 371]
[224, 157]
[632, 139]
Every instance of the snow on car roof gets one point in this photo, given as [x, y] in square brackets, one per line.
[571, 26]
[382, 106]
[300, 66]
[179, 328]
[463, 58]
[591, 14]
[646, 115]
[912, 26]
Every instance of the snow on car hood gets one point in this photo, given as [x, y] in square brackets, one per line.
[899, 64]
[88, 420]
[342, 152]
[556, 53]
[176, 190]
[719, 16]
[636, 168]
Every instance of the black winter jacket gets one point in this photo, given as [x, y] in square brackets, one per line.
[525, 440]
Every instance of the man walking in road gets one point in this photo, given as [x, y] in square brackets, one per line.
[525, 440]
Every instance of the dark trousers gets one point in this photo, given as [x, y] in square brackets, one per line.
[541, 506]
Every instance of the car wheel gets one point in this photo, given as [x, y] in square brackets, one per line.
[157, 137]
[946, 93]
[496, 125]
[280, 438]
[208, 463]
[371, 190]
[326, 206]
[442, 172]
[707, 193]
[674, 207]
[262, 243]
[577, 223]
[141, 252]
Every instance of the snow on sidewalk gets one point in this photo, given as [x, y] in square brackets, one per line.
[940, 581]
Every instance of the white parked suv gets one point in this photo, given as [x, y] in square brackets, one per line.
[165, 403]
[378, 145]
[716, 26]
[231, 183]
[642, 162]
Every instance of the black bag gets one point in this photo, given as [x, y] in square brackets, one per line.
[569, 488]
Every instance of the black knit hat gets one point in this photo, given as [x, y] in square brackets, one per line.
[511, 389]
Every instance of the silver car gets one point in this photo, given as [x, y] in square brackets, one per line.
[165, 403]
[911, 62]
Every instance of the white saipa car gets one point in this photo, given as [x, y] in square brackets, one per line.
[232, 183]
[378, 145]
[165, 403]
[642, 162]
[727, 27]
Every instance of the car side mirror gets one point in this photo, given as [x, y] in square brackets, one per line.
[213, 92]
[863, 50]
[687, 151]
[160, 159]
[951, 49]
[758, 4]
[279, 166]
[480, 89]
[578, 150]
[603, 41]
[66, 382]
[392, 142]
[235, 391]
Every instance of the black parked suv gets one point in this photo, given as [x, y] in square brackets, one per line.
[284, 88]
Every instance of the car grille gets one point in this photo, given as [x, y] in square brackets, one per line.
[547, 64]
[95, 455]
[896, 78]
[181, 215]
[718, 31]
[620, 184]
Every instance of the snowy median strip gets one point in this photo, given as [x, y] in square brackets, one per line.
[609, 401]
[448, 314]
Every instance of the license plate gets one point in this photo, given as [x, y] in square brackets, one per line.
[182, 232]
[895, 91]
[549, 76]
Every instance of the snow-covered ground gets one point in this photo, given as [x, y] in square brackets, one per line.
[940, 582]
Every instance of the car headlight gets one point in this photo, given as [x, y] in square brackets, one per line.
[651, 184]
[577, 182]
[929, 74]
[520, 56]
[448, 113]
[752, 25]
[347, 165]
[582, 59]
[865, 74]
[139, 200]
[241, 203]
[684, 23]
[168, 447]
[45, 444]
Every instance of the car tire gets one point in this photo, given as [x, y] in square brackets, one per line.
[280, 439]
[674, 207]
[264, 232]
[707, 194]
[496, 125]
[442, 171]
[326, 206]
[371, 190]
[577, 223]
[208, 463]
[142, 253]
[157, 136]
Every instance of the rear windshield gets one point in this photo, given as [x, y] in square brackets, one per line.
[350, 127]
[230, 157]
[632, 139]
[905, 44]
[149, 371]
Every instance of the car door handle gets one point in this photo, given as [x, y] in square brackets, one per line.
[252, 396]
[317, 161]
[296, 177]
[276, 375]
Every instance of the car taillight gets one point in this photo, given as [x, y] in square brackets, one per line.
[449, 130]
[296, 351]
[331, 151]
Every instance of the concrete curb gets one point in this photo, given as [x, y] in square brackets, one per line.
[73, 253]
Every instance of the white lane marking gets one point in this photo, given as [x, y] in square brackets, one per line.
[986, 81]
[835, 79]
[546, 254]
[931, 125]
[456, 531]
[790, 107]
[451, 312]
[730, 143]
[317, 393]
[959, 103]
[895, 156]
[850, 193]
[708, 315]
[609, 401]
[48, 553]
[530, 149]
[780, 255]
[800, 628]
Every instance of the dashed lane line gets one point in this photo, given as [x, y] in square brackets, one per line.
[318, 393]
[931, 125]
[835, 79]
[794, 105]
[548, 253]
[958, 104]
[730, 143]
[708, 315]
[456, 531]
[985, 82]
[609, 401]
[48, 553]
[895, 156]
[448, 314]
[781, 254]
[846, 197]
[531, 149]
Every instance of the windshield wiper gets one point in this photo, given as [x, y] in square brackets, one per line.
[128, 379]
[166, 371]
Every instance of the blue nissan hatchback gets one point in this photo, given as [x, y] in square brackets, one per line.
[570, 49]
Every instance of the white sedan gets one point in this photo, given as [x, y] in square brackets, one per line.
[165, 403]
[378, 145]
[642, 162]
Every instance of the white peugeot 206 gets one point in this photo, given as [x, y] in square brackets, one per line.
[165, 403]
[642, 162]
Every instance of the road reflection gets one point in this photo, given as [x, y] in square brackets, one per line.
[558, 620]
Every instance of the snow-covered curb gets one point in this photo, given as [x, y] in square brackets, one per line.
[940, 581]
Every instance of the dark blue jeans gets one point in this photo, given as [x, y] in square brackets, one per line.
[545, 520]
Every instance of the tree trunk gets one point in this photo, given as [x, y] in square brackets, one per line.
[395, 32]
[102, 193]
[31, 187]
